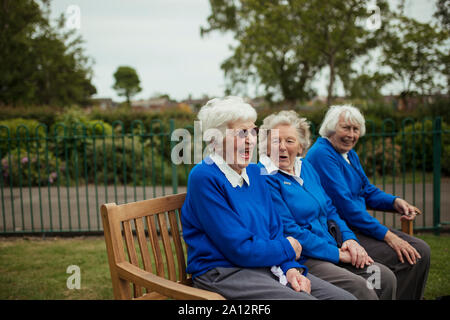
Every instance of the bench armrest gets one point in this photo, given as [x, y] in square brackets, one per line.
[407, 225]
[161, 285]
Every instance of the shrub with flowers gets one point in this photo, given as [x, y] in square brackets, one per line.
[35, 167]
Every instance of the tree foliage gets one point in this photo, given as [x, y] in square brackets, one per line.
[127, 82]
[282, 46]
[415, 53]
[40, 64]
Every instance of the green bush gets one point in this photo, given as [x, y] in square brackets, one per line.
[33, 167]
[418, 147]
[42, 114]
[17, 130]
[382, 158]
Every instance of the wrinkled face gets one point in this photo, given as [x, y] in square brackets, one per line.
[238, 145]
[284, 139]
[346, 135]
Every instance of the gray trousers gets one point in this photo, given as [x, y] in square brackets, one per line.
[411, 279]
[369, 283]
[261, 284]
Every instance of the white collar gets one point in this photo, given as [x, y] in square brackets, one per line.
[232, 176]
[345, 156]
[273, 169]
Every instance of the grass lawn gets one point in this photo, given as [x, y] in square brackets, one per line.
[33, 268]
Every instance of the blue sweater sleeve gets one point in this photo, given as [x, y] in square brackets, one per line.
[312, 245]
[229, 235]
[347, 234]
[337, 188]
[375, 198]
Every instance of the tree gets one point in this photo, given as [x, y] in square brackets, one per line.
[40, 63]
[270, 51]
[415, 53]
[365, 86]
[443, 13]
[283, 44]
[127, 82]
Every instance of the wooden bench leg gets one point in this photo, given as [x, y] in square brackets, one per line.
[407, 226]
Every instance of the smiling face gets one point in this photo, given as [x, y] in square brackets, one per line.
[287, 143]
[238, 145]
[346, 135]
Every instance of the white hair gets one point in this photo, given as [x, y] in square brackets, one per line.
[291, 118]
[351, 115]
[218, 113]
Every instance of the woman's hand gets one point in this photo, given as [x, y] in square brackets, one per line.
[358, 255]
[296, 246]
[298, 281]
[402, 248]
[407, 210]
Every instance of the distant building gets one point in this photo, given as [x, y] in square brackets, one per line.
[104, 103]
[153, 104]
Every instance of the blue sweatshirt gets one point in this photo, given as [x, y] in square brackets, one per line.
[349, 188]
[305, 210]
[232, 227]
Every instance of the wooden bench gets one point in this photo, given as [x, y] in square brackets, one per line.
[157, 270]
[146, 253]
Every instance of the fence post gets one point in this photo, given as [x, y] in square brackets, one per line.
[437, 150]
[174, 166]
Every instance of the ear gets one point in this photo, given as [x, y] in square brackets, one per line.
[300, 150]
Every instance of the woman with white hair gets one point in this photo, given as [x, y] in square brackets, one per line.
[331, 249]
[346, 183]
[235, 240]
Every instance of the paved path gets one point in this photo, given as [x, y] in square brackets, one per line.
[79, 209]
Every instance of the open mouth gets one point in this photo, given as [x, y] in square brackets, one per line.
[245, 154]
[283, 158]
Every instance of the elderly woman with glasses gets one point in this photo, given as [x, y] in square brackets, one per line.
[235, 240]
[347, 185]
[331, 249]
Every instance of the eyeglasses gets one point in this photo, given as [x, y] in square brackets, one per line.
[243, 133]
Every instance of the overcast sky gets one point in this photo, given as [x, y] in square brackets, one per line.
[161, 40]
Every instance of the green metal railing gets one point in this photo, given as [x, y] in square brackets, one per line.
[55, 180]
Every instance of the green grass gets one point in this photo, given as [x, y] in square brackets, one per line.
[36, 269]
[32, 268]
[439, 277]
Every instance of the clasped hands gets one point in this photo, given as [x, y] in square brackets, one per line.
[352, 252]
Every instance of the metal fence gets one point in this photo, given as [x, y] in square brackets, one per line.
[54, 181]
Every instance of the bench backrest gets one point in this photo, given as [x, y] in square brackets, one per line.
[148, 234]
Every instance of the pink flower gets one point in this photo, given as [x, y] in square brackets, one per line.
[24, 160]
[5, 163]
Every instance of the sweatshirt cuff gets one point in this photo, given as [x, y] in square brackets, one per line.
[288, 250]
[293, 264]
[349, 235]
[334, 255]
[380, 232]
